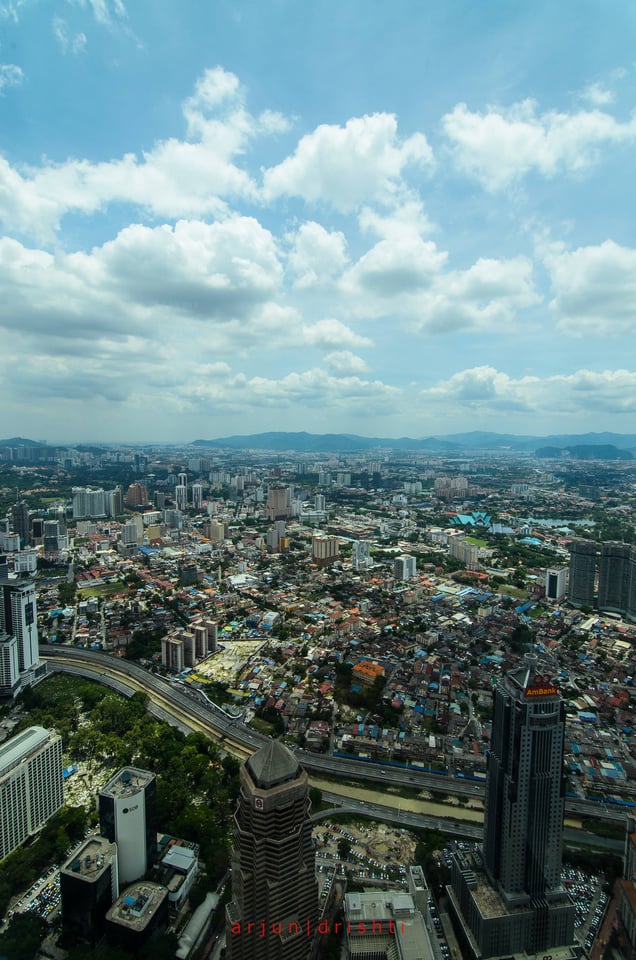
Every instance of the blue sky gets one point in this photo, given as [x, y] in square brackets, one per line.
[230, 217]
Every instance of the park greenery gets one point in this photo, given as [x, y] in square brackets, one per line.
[196, 789]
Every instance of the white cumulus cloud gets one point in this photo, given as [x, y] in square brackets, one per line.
[176, 178]
[317, 255]
[488, 391]
[594, 290]
[500, 146]
[347, 166]
[330, 333]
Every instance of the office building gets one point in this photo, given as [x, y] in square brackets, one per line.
[177, 870]
[136, 495]
[25, 562]
[21, 522]
[9, 669]
[627, 890]
[37, 530]
[556, 583]
[508, 897]
[385, 926]
[631, 596]
[404, 567]
[54, 536]
[89, 886]
[582, 573]
[127, 818]
[614, 577]
[279, 503]
[273, 866]
[31, 785]
[18, 618]
[138, 915]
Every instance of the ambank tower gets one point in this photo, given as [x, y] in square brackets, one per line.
[507, 896]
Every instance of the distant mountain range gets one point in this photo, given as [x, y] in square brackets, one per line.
[20, 442]
[585, 451]
[584, 446]
[600, 445]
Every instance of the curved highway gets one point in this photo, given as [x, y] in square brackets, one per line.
[184, 707]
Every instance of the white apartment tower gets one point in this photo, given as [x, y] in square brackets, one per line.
[404, 567]
[181, 497]
[361, 555]
[31, 785]
[197, 496]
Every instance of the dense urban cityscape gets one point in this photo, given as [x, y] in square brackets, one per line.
[372, 616]
[318, 480]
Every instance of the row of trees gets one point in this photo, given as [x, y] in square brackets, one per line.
[196, 789]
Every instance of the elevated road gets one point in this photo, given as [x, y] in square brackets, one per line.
[184, 707]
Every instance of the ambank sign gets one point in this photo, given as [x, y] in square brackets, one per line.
[542, 685]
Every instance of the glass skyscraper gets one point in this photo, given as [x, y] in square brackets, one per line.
[508, 896]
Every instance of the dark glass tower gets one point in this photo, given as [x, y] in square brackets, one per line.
[274, 911]
[614, 577]
[511, 899]
[523, 826]
[582, 573]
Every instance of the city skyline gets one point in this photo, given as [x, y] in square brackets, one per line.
[338, 219]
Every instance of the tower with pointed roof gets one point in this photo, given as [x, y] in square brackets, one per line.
[274, 910]
[508, 896]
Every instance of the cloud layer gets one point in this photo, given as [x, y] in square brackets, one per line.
[365, 273]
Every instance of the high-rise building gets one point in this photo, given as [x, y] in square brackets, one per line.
[18, 618]
[197, 496]
[114, 502]
[614, 577]
[31, 785]
[325, 550]
[9, 669]
[139, 915]
[127, 817]
[278, 503]
[89, 886]
[136, 495]
[404, 567]
[631, 596]
[508, 898]
[173, 653]
[556, 583]
[379, 926]
[582, 573]
[275, 894]
[54, 536]
[361, 555]
[21, 522]
[181, 497]
[88, 502]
